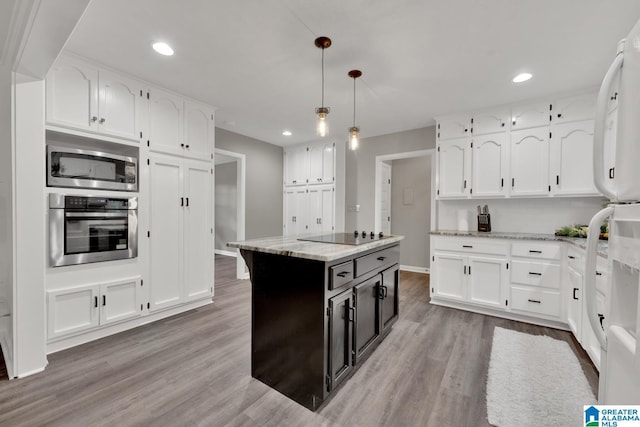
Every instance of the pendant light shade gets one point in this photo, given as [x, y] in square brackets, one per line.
[354, 131]
[322, 126]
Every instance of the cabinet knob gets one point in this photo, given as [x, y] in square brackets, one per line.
[182, 145]
[187, 146]
[102, 120]
[559, 115]
[94, 119]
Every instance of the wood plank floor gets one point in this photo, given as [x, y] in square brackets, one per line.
[194, 369]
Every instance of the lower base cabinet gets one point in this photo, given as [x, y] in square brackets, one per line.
[75, 310]
[296, 351]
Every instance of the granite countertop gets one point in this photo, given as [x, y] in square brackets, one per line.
[291, 246]
[603, 245]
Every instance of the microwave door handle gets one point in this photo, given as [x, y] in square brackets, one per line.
[598, 134]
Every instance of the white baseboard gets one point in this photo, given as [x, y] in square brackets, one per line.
[225, 253]
[422, 270]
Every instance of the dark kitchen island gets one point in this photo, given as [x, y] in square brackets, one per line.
[318, 310]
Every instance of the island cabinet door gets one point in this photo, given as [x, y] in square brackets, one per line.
[389, 294]
[367, 321]
[341, 315]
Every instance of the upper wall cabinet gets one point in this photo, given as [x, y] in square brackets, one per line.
[321, 163]
[529, 162]
[490, 122]
[451, 127]
[296, 166]
[530, 115]
[454, 165]
[490, 165]
[573, 109]
[82, 97]
[313, 164]
[571, 157]
[180, 127]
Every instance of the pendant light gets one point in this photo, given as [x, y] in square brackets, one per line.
[354, 131]
[322, 127]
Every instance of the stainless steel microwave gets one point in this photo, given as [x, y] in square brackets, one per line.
[79, 168]
[84, 229]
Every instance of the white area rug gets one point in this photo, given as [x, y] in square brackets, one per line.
[534, 380]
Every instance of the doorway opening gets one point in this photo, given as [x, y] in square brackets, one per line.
[403, 203]
[229, 215]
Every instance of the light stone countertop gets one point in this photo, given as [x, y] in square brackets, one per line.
[291, 246]
[603, 245]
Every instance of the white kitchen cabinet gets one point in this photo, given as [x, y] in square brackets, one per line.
[83, 97]
[449, 276]
[610, 132]
[79, 309]
[571, 159]
[490, 122]
[199, 130]
[530, 115]
[529, 163]
[321, 208]
[180, 230]
[296, 166]
[321, 163]
[574, 305]
[296, 210]
[453, 127]
[490, 165]
[166, 122]
[487, 281]
[454, 168]
[573, 109]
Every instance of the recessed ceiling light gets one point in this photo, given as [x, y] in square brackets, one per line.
[162, 48]
[522, 77]
[287, 133]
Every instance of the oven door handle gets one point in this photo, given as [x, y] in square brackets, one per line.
[95, 214]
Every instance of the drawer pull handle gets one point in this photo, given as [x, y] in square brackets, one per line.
[535, 274]
[352, 312]
[531, 251]
[342, 274]
[572, 257]
[574, 293]
[382, 258]
[598, 273]
[467, 246]
[534, 300]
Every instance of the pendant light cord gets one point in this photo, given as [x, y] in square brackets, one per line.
[354, 102]
[322, 103]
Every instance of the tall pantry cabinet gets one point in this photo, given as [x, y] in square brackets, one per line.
[309, 189]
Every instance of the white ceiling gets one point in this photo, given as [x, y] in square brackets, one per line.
[256, 61]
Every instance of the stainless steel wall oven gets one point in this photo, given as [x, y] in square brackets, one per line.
[86, 229]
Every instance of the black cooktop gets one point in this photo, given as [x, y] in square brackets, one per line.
[353, 239]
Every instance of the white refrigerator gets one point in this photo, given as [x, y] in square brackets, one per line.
[617, 176]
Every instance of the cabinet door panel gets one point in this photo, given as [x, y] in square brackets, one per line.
[119, 301]
[490, 160]
[490, 122]
[487, 281]
[391, 295]
[367, 321]
[575, 108]
[165, 122]
[303, 218]
[531, 115]
[199, 129]
[571, 157]
[119, 106]
[453, 165]
[72, 95]
[454, 127]
[340, 339]
[450, 279]
[530, 162]
[166, 231]
[290, 212]
[574, 309]
[320, 209]
[72, 310]
[198, 253]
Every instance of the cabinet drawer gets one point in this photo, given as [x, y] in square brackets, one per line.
[377, 259]
[536, 250]
[470, 245]
[576, 259]
[536, 301]
[340, 275]
[536, 274]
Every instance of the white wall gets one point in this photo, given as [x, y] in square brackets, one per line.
[543, 215]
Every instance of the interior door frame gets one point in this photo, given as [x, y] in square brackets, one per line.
[241, 162]
[383, 165]
[377, 202]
